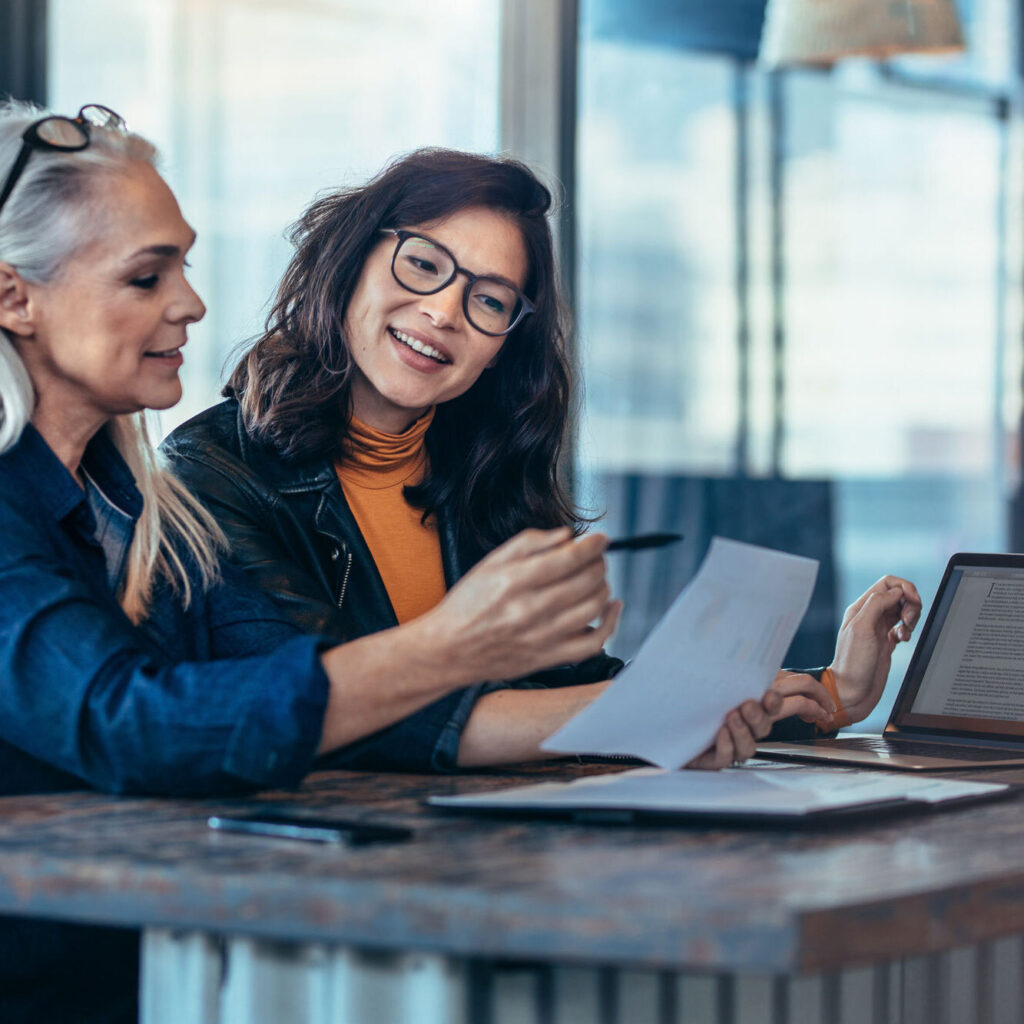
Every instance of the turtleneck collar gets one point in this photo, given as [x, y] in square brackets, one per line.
[374, 459]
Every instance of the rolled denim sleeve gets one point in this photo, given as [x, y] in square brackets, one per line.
[83, 690]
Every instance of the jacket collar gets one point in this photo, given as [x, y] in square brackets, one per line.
[111, 474]
[36, 465]
[294, 476]
[285, 475]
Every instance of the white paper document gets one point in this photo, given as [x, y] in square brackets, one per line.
[799, 793]
[720, 643]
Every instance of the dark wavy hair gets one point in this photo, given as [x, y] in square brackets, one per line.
[493, 451]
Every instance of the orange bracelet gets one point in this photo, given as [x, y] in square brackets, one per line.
[840, 719]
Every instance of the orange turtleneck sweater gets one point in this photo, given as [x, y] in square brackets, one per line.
[374, 470]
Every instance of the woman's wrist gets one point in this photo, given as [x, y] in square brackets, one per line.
[509, 726]
[842, 716]
[378, 679]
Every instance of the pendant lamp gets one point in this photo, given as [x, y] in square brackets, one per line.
[819, 32]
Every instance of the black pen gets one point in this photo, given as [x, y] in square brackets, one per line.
[643, 540]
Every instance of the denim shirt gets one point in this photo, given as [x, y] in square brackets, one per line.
[223, 695]
[114, 531]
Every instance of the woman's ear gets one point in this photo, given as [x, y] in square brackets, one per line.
[15, 304]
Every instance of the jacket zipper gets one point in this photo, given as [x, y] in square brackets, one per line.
[344, 580]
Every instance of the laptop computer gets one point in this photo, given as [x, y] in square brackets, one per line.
[961, 704]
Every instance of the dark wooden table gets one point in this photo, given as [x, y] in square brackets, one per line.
[853, 908]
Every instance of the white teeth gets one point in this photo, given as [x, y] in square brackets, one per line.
[418, 346]
[167, 352]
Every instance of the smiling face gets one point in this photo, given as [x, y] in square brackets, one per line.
[104, 337]
[414, 351]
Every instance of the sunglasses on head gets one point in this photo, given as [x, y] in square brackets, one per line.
[64, 134]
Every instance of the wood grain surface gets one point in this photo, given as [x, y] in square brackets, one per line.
[667, 896]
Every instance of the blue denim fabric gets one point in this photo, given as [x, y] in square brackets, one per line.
[85, 695]
[87, 698]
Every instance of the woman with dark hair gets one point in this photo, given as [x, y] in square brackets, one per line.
[492, 450]
[402, 416]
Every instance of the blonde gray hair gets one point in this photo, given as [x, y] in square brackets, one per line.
[48, 217]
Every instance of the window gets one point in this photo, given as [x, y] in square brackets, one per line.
[794, 294]
[657, 255]
[894, 289]
[257, 105]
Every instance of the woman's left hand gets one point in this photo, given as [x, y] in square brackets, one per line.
[883, 616]
[737, 738]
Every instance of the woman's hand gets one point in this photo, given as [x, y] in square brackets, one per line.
[802, 695]
[737, 738]
[528, 605]
[883, 616]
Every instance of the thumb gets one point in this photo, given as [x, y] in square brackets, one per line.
[772, 703]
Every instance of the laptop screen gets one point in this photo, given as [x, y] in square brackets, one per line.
[967, 674]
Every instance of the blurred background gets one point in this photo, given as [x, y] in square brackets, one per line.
[797, 291]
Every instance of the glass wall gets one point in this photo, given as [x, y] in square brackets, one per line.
[894, 261]
[256, 105]
[796, 295]
[657, 225]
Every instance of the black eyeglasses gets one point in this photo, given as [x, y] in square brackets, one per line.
[67, 134]
[491, 304]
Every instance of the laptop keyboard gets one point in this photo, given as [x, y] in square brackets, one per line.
[918, 749]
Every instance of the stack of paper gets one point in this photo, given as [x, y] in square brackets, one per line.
[793, 792]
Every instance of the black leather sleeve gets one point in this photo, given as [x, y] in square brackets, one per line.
[263, 537]
[267, 542]
[594, 670]
[794, 728]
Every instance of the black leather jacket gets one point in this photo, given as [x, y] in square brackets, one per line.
[291, 529]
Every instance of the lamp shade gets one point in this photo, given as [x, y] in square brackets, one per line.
[822, 31]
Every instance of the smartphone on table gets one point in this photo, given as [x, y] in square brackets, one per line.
[317, 830]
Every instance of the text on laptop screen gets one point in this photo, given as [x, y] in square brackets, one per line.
[969, 673]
